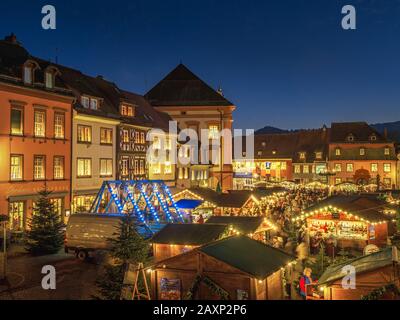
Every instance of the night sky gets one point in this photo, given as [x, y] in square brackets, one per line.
[285, 63]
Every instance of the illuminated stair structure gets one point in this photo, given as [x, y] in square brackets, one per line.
[149, 202]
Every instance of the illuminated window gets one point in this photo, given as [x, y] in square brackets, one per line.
[168, 145]
[168, 168]
[213, 132]
[59, 125]
[105, 136]
[362, 151]
[306, 169]
[40, 123]
[58, 167]
[302, 155]
[58, 205]
[142, 138]
[374, 167]
[338, 152]
[156, 143]
[125, 136]
[16, 216]
[338, 167]
[136, 167]
[141, 166]
[386, 167]
[84, 134]
[84, 167]
[83, 203]
[283, 165]
[17, 121]
[106, 167]
[297, 168]
[124, 166]
[156, 168]
[137, 137]
[259, 153]
[349, 167]
[39, 167]
[372, 137]
[127, 111]
[16, 167]
[387, 151]
[338, 180]
[387, 182]
[318, 155]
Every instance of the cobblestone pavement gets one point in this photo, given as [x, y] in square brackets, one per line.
[75, 279]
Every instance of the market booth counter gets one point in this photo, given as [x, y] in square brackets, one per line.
[377, 278]
[234, 268]
[350, 222]
[175, 239]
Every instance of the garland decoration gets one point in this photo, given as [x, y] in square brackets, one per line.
[214, 287]
[379, 292]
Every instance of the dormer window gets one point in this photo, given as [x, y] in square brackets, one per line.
[302, 155]
[318, 155]
[372, 137]
[350, 138]
[28, 74]
[362, 151]
[264, 144]
[127, 111]
[273, 151]
[94, 103]
[338, 152]
[387, 151]
[89, 103]
[49, 80]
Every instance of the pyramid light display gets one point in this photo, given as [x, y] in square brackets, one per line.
[149, 201]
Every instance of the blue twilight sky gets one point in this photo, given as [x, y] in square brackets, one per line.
[285, 63]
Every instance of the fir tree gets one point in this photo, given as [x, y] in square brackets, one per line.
[126, 247]
[46, 230]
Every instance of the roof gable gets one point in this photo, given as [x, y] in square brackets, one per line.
[181, 87]
[189, 234]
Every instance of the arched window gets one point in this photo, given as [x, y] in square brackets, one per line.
[372, 137]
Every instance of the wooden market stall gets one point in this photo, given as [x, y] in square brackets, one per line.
[352, 222]
[377, 277]
[257, 228]
[175, 239]
[234, 268]
[214, 203]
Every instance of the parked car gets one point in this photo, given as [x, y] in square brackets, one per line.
[87, 233]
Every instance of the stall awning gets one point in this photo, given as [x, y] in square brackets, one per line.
[188, 204]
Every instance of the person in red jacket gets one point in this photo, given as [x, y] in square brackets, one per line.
[304, 281]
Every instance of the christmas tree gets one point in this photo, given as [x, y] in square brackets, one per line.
[126, 247]
[46, 230]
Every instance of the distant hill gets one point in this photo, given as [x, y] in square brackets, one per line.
[393, 129]
[269, 129]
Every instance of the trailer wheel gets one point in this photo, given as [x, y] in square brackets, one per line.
[82, 255]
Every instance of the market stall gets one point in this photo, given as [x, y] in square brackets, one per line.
[234, 268]
[346, 222]
[257, 228]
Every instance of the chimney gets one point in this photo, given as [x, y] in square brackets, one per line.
[385, 133]
[12, 38]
